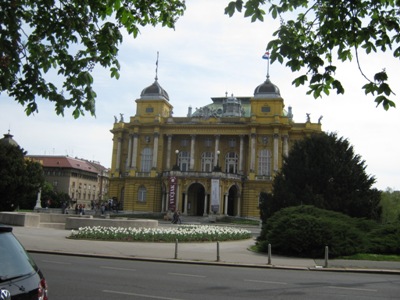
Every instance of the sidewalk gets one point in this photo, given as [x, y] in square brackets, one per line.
[230, 253]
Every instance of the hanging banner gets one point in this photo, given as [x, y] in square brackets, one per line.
[215, 195]
[172, 193]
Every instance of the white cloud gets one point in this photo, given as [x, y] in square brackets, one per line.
[207, 55]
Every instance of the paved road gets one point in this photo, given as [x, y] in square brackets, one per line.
[95, 278]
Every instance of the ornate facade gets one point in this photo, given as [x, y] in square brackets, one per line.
[217, 159]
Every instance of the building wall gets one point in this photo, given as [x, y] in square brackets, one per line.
[266, 128]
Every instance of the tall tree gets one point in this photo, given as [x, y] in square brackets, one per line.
[327, 32]
[322, 170]
[69, 38]
[20, 178]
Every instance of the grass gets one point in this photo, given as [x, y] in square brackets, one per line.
[373, 257]
[360, 256]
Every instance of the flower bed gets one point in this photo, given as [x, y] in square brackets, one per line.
[182, 233]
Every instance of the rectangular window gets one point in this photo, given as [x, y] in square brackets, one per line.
[184, 142]
[149, 109]
[142, 193]
[265, 109]
[232, 143]
[208, 142]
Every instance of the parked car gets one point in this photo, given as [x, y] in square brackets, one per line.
[20, 277]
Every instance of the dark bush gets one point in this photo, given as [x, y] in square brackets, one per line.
[305, 231]
[385, 239]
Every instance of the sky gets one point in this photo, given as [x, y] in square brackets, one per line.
[207, 55]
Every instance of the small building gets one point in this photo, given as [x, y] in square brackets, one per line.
[216, 160]
[82, 180]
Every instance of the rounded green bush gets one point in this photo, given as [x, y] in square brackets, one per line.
[304, 231]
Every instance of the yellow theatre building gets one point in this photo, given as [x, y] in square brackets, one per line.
[216, 160]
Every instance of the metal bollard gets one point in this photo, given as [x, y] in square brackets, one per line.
[218, 258]
[269, 254]
[176, 249]
[326, 256]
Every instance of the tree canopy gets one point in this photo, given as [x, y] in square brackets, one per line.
[41, 40]
[322, 170]
[20, 178]
[325, 33]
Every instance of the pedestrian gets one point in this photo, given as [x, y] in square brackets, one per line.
[175, 217]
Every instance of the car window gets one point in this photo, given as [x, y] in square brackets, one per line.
[14, 261]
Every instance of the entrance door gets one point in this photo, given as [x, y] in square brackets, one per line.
[232, 201]
[195, 203]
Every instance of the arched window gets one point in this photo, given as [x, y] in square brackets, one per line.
[184, 161]
[207, 159]
[146, 160]
[231, 162]
[264, 162]
[142, 194]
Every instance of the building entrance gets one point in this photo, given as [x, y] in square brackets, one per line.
[232, 201]
[195, 203]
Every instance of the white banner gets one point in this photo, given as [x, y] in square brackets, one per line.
[215, 195]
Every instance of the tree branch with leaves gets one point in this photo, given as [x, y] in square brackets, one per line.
[69, 38]
[329, 31]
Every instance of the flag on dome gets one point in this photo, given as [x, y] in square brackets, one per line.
[266, 55]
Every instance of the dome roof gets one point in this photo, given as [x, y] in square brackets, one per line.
[8, 140]
[267, 89]
[154, 91]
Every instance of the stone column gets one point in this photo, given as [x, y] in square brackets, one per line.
[238, 205]
[184, 212]
[129, 158]
[169, 145]
[118, 166]
[286, 145]
[134, 151]
[205, 205]
[216, 150]
[241, 155]
[253, 153]
[276, 151]
[155, 150]
[192, 152]
[226, 204]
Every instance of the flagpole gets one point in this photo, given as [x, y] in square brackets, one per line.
[266, 56]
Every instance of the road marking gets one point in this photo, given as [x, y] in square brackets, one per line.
[139, 295]
[353, 289]
[56, 262]
[263, 281]
[114, 268]
[188, 275]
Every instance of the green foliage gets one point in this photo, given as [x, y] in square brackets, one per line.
[326, 32]
[322, 170]
[19, 177]
[54, 199]
[385, 239]
[305, 231]
[39, 38]
[390, 203]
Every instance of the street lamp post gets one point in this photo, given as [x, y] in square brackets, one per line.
[176, 166]
[217, 168]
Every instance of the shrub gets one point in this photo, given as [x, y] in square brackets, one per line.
[385, 239]
[305, 231]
